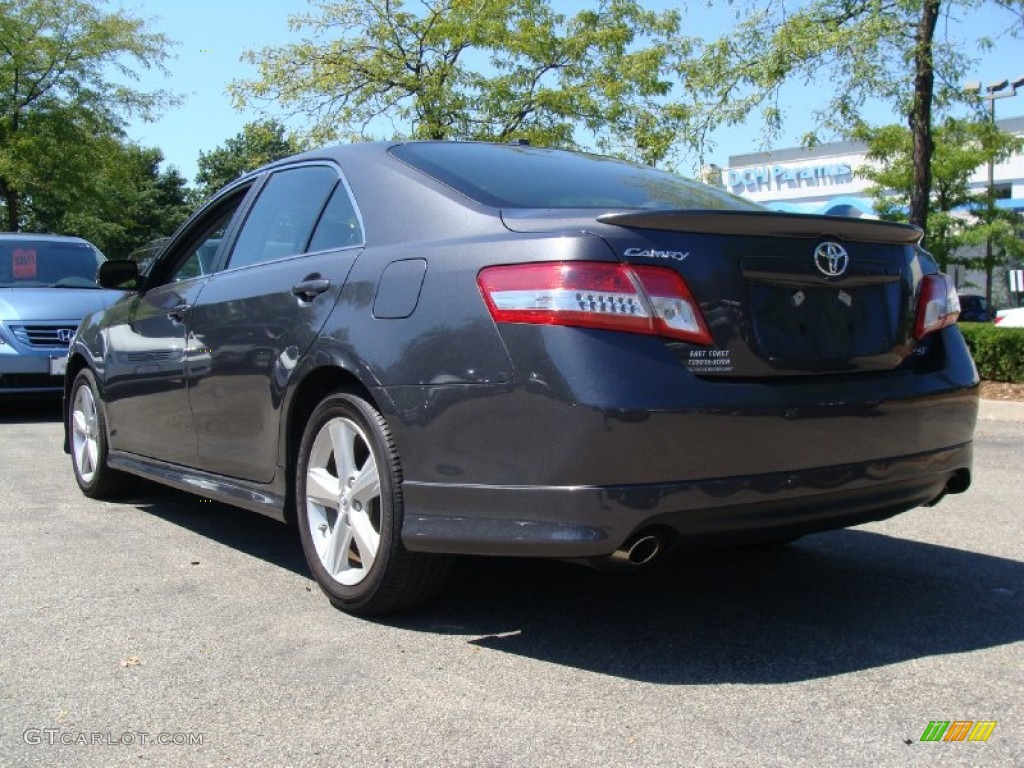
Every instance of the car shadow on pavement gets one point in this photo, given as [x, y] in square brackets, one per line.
[240, 529]
[26, 410]
[829, 604]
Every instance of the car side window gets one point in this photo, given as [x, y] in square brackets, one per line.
[200, 256]
[193, 253]
[339, 225]
[282, 218]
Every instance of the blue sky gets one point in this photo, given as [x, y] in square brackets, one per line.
[212, 36]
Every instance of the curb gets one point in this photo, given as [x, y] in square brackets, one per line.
[1000, 410]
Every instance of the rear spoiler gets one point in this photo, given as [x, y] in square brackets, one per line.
[767, 224]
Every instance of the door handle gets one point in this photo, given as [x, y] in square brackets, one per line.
[177, 314]
[308, 290]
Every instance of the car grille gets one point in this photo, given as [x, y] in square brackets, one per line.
[57, 336]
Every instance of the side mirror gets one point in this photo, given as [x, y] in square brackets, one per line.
[120, 274]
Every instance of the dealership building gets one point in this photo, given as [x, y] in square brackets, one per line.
[825, 180]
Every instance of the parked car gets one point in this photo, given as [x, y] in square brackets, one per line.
[47, 284]
[974, 309]
[505, 350]
[1010, 318]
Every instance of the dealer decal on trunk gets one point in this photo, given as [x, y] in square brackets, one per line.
[709, 361]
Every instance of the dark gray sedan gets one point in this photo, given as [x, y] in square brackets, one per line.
[415, 350]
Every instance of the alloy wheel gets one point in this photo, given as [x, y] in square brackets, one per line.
[85, 433]
[343, 501]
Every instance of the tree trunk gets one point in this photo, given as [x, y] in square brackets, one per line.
[11, 205]
[990, 268]
[921, 113]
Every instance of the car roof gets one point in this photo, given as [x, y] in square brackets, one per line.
[370, 150]
[336, 152]
[41, 236]
[433, 206]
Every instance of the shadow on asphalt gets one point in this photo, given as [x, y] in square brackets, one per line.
[21, 409]
[829, 604]
[239, 529]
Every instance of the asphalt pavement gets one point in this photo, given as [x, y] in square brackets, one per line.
[170, 631]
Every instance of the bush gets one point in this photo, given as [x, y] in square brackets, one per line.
[998, 352]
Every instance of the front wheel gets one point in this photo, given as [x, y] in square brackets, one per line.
[349, 503]
[88, 429]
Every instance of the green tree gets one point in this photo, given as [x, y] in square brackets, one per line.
[63, 64]
[128, 201]
[137, 202]
[854, 50]
[1001, 233]
[258, 143]
[961, 147]
[477, 69]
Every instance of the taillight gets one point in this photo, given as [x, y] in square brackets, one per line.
[616, 297]
[938, 305]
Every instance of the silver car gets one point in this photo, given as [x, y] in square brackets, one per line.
[47, 285]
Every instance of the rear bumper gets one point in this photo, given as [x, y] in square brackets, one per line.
[601, 435]
[596, 520]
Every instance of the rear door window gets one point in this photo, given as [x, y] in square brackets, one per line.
[339, 225]
[281, 221]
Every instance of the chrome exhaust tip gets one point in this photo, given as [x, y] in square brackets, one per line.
[640, 550]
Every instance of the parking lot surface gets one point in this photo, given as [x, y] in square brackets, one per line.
[170, 631]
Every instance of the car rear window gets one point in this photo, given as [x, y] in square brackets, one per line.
[531, 177]
[34, 263]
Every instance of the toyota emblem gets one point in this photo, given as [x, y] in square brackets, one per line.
[831, 259]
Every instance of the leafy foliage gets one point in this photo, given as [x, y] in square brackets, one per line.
[257, 144]
[960, 148]
[62, 93]
[127, 202]
[478, 69]
[1001, 231]
[854, 50]
[998, 352]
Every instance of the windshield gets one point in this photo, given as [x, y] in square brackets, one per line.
[27, 263]
[530, 177]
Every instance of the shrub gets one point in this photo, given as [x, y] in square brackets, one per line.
[998, 352]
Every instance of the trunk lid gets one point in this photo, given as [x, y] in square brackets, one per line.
[782, 294]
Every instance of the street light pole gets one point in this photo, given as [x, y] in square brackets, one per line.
[993, 91]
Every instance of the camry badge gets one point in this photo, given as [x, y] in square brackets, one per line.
[650, 253]
[831, 259]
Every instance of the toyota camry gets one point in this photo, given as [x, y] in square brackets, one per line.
[424, 349]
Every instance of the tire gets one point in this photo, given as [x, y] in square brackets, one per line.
[87, 425]
[349, 502]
